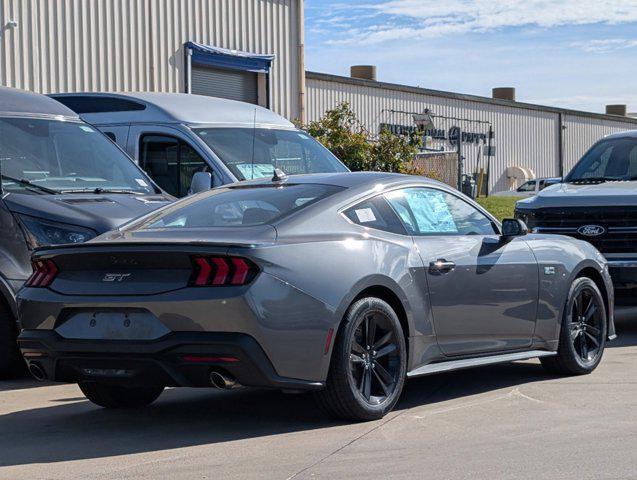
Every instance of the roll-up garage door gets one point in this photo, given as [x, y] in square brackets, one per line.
[231, 84]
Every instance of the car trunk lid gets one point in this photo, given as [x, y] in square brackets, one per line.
[144, 265]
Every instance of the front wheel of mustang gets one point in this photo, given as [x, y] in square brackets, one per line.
[583, 332]
[114, 396]
[369, 363]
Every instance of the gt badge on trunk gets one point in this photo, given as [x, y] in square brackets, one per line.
[115, 277]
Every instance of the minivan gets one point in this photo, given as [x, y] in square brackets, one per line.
[63, 181]
[188, 143]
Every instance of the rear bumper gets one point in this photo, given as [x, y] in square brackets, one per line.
[178, 359]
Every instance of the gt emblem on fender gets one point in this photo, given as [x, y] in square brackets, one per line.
[115, 277]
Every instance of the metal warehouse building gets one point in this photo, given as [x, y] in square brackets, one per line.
[252, 50]
[249, 50]
[546, 140]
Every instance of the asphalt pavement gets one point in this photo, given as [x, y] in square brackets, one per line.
[504, 421]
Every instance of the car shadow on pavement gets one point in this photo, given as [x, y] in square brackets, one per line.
[71, 430]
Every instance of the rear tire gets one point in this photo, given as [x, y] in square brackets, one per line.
[11, 362]
[583, 331]
[368, 365]
[113, 396]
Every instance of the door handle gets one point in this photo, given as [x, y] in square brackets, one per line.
[441, 266]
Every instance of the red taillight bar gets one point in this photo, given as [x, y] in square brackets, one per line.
[44, 272]
[217, 271]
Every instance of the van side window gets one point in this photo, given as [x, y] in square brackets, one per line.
[171, 162]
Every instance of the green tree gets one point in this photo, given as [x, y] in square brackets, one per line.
[342, 133]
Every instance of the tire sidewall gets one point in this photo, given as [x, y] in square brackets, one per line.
[356, 311]
[577, 286]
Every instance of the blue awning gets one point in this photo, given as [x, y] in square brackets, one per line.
[210, 56]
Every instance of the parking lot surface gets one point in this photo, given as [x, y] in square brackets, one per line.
[505, 421]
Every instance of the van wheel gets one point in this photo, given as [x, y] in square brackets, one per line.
[114, 396]
[583, 332]
[368, 365]
[11, 362]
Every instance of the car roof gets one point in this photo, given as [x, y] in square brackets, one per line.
[626, 134]
[21, 102]
[174, 108]
[343, 179]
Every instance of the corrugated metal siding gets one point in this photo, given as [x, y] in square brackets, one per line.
[137, 45]
[523, 137]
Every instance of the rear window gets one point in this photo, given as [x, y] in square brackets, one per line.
[239, 206]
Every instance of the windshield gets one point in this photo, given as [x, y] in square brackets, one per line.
[527, 186]
[612, 159]
[52, 156]
[238, 206]
[254, 153]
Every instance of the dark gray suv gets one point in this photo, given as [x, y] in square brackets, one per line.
[63, 181]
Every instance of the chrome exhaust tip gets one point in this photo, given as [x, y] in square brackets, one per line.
[222, 380]
[37, 371]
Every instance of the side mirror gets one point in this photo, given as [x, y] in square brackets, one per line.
[201, 182]
[514, 227]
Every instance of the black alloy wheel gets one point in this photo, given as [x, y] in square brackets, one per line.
[368, 364]
[586, 326]
[374, 358]
[583, 331]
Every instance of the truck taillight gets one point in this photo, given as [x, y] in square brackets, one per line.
[44, 272]
[217, 271]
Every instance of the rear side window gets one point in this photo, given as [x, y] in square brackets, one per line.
[376, 213]
[239, 206]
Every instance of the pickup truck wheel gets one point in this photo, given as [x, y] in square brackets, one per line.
[583, 332]
[11, 363]
[114, 396]
[368, 365]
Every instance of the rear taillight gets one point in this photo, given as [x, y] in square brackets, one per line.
[217, 271]
[44, 272]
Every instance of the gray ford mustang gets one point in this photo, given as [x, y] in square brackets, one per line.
[345, 284]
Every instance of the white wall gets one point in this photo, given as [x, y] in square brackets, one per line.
[137, 45]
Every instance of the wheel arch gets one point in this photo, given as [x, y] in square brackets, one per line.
[385, 289]
[590, 269]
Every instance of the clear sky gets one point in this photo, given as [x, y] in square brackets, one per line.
[579, 54]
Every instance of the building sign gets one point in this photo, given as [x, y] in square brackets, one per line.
[450, 135]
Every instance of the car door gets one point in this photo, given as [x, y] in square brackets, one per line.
[483, 289]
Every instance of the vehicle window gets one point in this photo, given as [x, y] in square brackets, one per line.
[64, 156]
[238, 206]
[428, 211]
[111, 135]
[612, 159]
[171, 162]
[527, 186]
[376, 213]
[254, 153]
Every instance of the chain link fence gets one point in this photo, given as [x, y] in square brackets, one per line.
[442, 166]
